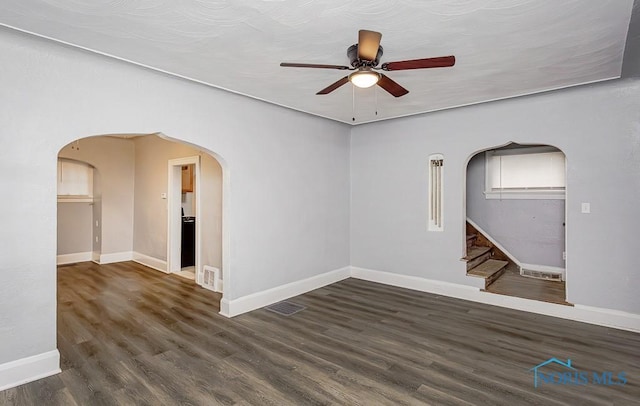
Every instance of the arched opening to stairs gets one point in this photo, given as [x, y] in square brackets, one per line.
[516, 221]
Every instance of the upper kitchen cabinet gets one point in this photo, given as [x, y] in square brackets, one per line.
[187, 178]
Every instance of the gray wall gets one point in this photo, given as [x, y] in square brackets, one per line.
[150, 226]
[631, 60]
[74, 228]
[531, 230]
[288, 174]
[588, 123]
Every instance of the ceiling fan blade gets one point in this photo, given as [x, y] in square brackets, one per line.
[312, 65]
[334, 86]
[439, 62]
[368, 44]
[391, 86]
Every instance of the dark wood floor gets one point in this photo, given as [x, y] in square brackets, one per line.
[511, 283]
[133, 336]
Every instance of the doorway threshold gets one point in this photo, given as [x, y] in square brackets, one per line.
[187, 273]
[511, 283]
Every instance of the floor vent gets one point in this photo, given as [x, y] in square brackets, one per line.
[538, 274]
[285, 308]
[211, 278]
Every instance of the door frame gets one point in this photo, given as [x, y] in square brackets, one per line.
[174, 216]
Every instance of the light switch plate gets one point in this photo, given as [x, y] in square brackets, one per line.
[586, 207]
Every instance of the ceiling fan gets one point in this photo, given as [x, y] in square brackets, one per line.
[365, 57]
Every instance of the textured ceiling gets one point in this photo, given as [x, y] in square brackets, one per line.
[503, 48]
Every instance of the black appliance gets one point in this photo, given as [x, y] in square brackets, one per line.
[188, 251]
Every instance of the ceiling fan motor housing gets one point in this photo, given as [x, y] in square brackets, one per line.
[352, 53]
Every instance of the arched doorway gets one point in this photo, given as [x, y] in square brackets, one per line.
[515, 215]
[130, 203]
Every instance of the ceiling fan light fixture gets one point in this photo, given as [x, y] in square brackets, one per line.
[364, 58]
[364, 78]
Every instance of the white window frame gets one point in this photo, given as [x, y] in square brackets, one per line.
[80, 169]
[551, 193]
[435, 214]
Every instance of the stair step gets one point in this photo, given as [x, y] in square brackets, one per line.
[488, 269]
[478, 260]
[475, 251]
[471, 239]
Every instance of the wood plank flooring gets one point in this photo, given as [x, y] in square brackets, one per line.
[129, 335]
[511, 283]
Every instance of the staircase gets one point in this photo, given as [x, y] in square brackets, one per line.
[483, 259]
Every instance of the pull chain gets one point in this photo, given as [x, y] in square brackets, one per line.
[353, 102]
[375, 91]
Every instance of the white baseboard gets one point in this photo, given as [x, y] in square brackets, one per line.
[231, 308]
[494, 242]
[116, 257]
[610, 318]
[73, 258]
[29, 369]
[151, 262]
[414, 283]
[592, 315]
[95, 257]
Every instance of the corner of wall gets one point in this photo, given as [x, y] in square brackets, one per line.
[235, 307]
[29, 369]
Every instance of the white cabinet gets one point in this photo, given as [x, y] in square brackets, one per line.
[75, 181]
